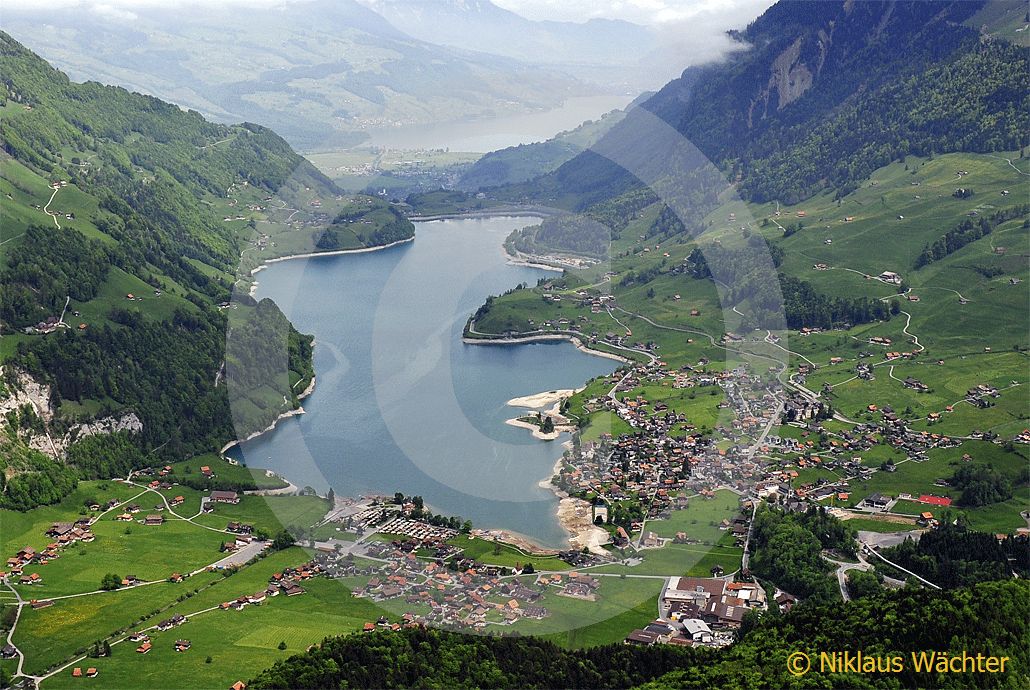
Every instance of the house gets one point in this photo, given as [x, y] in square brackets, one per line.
[8, 651]
[91, 672]
[224, 497]
[697, 630]
[641, 638]
[877, 501]
[238, 685]
[152, 520]
[144, 648]
[182, 645]
[76, 672]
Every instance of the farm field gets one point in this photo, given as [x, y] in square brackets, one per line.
[700, 520]
[271, 513]
[484, 551]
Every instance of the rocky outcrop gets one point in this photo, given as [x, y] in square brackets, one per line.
[127, 421]
[21, 391]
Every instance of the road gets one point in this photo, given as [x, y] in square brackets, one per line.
[238, 557]
[52, 214]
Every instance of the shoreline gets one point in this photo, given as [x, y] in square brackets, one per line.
[499, 212]
[570, 511]
[573, 514]
[311, 255]
[299, 410]
[544, 337]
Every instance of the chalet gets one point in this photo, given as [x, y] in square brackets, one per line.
[152, 520]
[9, 651]
[641, 638]
[91, 672]
[144, 648]
[60, 528]
[224, 497]
[238, 685]
[182, 645]
[169, 623]
[77, 672]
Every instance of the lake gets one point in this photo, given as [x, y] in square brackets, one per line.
[484, 135]
[401, 404]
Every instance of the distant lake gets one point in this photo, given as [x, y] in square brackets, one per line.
[482, 136]
[401, 404]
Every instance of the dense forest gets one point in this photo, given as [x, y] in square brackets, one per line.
[955, 556]
[992, 618]
[787, 549]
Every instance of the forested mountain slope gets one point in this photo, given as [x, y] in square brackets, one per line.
[124, 219]
[827, 93]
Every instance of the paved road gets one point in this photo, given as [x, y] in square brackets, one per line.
[240, 556]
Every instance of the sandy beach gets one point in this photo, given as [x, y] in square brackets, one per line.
[574, 516]
[542, 400]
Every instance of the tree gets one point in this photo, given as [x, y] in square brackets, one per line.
[110, 582]
[283, 540]
[282, 645]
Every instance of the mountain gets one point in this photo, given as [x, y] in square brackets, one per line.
[322, 73]
[127, 226]
[526, 161]
[824, 95]
[835, 113]
[603, 50]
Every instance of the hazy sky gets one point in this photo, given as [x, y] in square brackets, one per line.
[719, 13]
[652, 12]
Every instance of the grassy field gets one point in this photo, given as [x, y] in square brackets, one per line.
[20, 529]
[483, 551]
[224, 471]
[700, 520]
[50, 635]
[238, 642]
[149, 553]
[622, 604]
[271, 513]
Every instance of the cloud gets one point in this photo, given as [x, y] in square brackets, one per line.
[730, 13]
